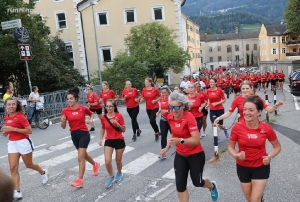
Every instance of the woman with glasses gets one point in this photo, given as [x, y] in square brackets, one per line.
[94, 105]
[190, 156]
[113, 126]
[75, 115]
[152, 96]
[132, 96]
[106, 93]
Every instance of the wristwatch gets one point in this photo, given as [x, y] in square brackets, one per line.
[182, 141]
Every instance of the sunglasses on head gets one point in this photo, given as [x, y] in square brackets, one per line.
[174, 107]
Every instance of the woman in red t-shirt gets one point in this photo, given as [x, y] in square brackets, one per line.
[164, 111]
[253, 79]
[203, 95]
[75, 115]
[252, 159]
[152, 96]
[132, 96]
[113, 125]
[190, 156]
[281, 79]
[236, 81]
[94, 104]
[17, 128]
[264, 80]
[106, 93]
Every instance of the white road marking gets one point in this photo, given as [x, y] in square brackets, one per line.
[39, 146]
[2, 157]
[295, 100]
[158, 191]
[170, 174]
[140, 164]
[64, 138]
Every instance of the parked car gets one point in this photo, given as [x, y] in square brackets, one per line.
[232, 70]
[295, 84]
[255, 69]
[291, 75]
[196, 74]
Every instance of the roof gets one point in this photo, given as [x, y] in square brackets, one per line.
[276, 29]
[230, 36]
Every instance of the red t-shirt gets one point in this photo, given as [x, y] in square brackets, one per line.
[236, 82]
[182, 129]
[238, 102]
[203, 95]
[92, 99]
[281, 76]
[215, 96]
[111, 133]
[164, 105]
[17, 121]
[227, 82]
[130, 97]
[150, 95]
[272, 76]
[110, 94]
[252, 142]
[197, 101]
[253, 80]
[76, 118]
[264, 78]
[220, 83]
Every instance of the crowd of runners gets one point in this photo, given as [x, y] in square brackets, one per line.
[183, 114]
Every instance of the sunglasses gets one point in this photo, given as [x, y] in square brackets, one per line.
[174, 107]
[110, 106]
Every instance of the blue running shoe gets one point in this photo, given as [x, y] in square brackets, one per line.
[226, 134]
[119, 177]
[214, 192]
[109, 181]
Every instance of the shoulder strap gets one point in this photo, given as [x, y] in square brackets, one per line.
[114, 127]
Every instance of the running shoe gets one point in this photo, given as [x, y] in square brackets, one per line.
[262, 198]
[77, 183]
[134, 137]
[96, 168]
[17, 194]
[156, 137]
[109, 181]
[118, 177]
[138, 132]
[226, 133]
[203, 133]
[92, 129]
[45, 176]
[162, 157]
[214, 192]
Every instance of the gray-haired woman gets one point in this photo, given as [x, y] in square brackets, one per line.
[190, 156]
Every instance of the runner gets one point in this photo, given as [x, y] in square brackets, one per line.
[151, 95]
[113, 126]
[273, 81]
[203, 94]
[190, 156]
[253, 79]
[264, 79]
[253, 162]
[132, 96]
[177, 88]
[236, 81]
[215, 104]
[17, 128]
[106, 93]
[281, 77]
[94, 105]
[227, 84]
[163, 123]
[75, 115]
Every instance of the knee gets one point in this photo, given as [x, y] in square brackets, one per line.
[81, 159]
[107, 162]
[29, 165]
[118, 162]
[13, 168]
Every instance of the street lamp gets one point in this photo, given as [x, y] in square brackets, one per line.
[92, 3]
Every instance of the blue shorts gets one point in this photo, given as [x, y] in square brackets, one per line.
[216, 113]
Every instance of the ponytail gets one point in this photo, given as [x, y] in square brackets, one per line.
[75, 92]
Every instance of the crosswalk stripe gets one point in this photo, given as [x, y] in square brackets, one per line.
[170, 174]
[140, 164]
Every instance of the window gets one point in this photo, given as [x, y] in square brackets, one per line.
[191, 28]
[274, 40]
[158, 13]
[201, 59]
[219, 48]
[237, 58]
[197, 31]
[106, 54]
[228, 58]
[219, 58]
[274, 51]
[283, 39]
[61, 20]
[211, 59]
[69, 48]
[237, 48]
[247, 47]
[254, 46]
[102, 18]
[201, 51]
[189, 38]
[210, 49]
[130, 16]
[228, 49]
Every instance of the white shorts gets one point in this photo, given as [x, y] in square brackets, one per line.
[24, 146]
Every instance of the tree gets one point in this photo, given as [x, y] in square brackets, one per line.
[247, 59]
[154, 44]
[252, 59]
[292, 16]
[207, 32]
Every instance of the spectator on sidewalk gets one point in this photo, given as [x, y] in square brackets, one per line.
[9, 93]
[32, 99]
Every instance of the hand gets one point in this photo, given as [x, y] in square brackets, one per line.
[206, 107]
[88, 104]
[153, 101]
[125, 96]
[216, 121]
[89, 121]
[164, 151]
[214, 104]
[100, 142]
[241, 156]
[63, 119]
[157, 113]
[173, 141]
[6, 129]
[200, 109]
[280, 103]
[266, 160]
[136, 99]
[5, 134]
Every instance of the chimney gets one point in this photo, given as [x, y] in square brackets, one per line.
[236, 30]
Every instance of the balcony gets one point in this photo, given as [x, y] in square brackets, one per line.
[293, 54]
[293, 43]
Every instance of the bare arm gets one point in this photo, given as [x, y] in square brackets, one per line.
[276, 148]
[224, 116]
[27, 130]
[191, 141]
[272, 109]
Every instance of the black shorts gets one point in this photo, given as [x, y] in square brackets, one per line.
[98, 111]
[247, 174]
[273, 82]
[237, 90]
[204, 111]
[116, 143]
[81, 139]
[259, 82]
[263, 83]
[255, 86]
[281, 80]
[276, 80]
[216, 113]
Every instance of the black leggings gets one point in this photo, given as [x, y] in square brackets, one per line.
[152, 118]
[164, 128]
[133, 112]
[199, 121]
[193, 163]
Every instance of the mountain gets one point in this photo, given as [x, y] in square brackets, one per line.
[269, 9]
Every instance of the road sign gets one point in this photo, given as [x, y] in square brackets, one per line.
[160, 80]
[25, 52]
[21, 34]
[11, 24]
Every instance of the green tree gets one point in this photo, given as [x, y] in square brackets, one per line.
[252, 59]
[207, 32]
[292, 16]
[154, 44]
[247, 59]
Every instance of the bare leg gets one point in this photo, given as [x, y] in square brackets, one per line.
[108, 158]
[247, 189]
[13, 159]
[27, 158]
[119, 155]
[81, 161]
[183, 196]
[89, 159]
[258, 187]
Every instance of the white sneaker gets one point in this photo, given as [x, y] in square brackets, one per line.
[17, 195]
[203, 134]
[45, 177]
